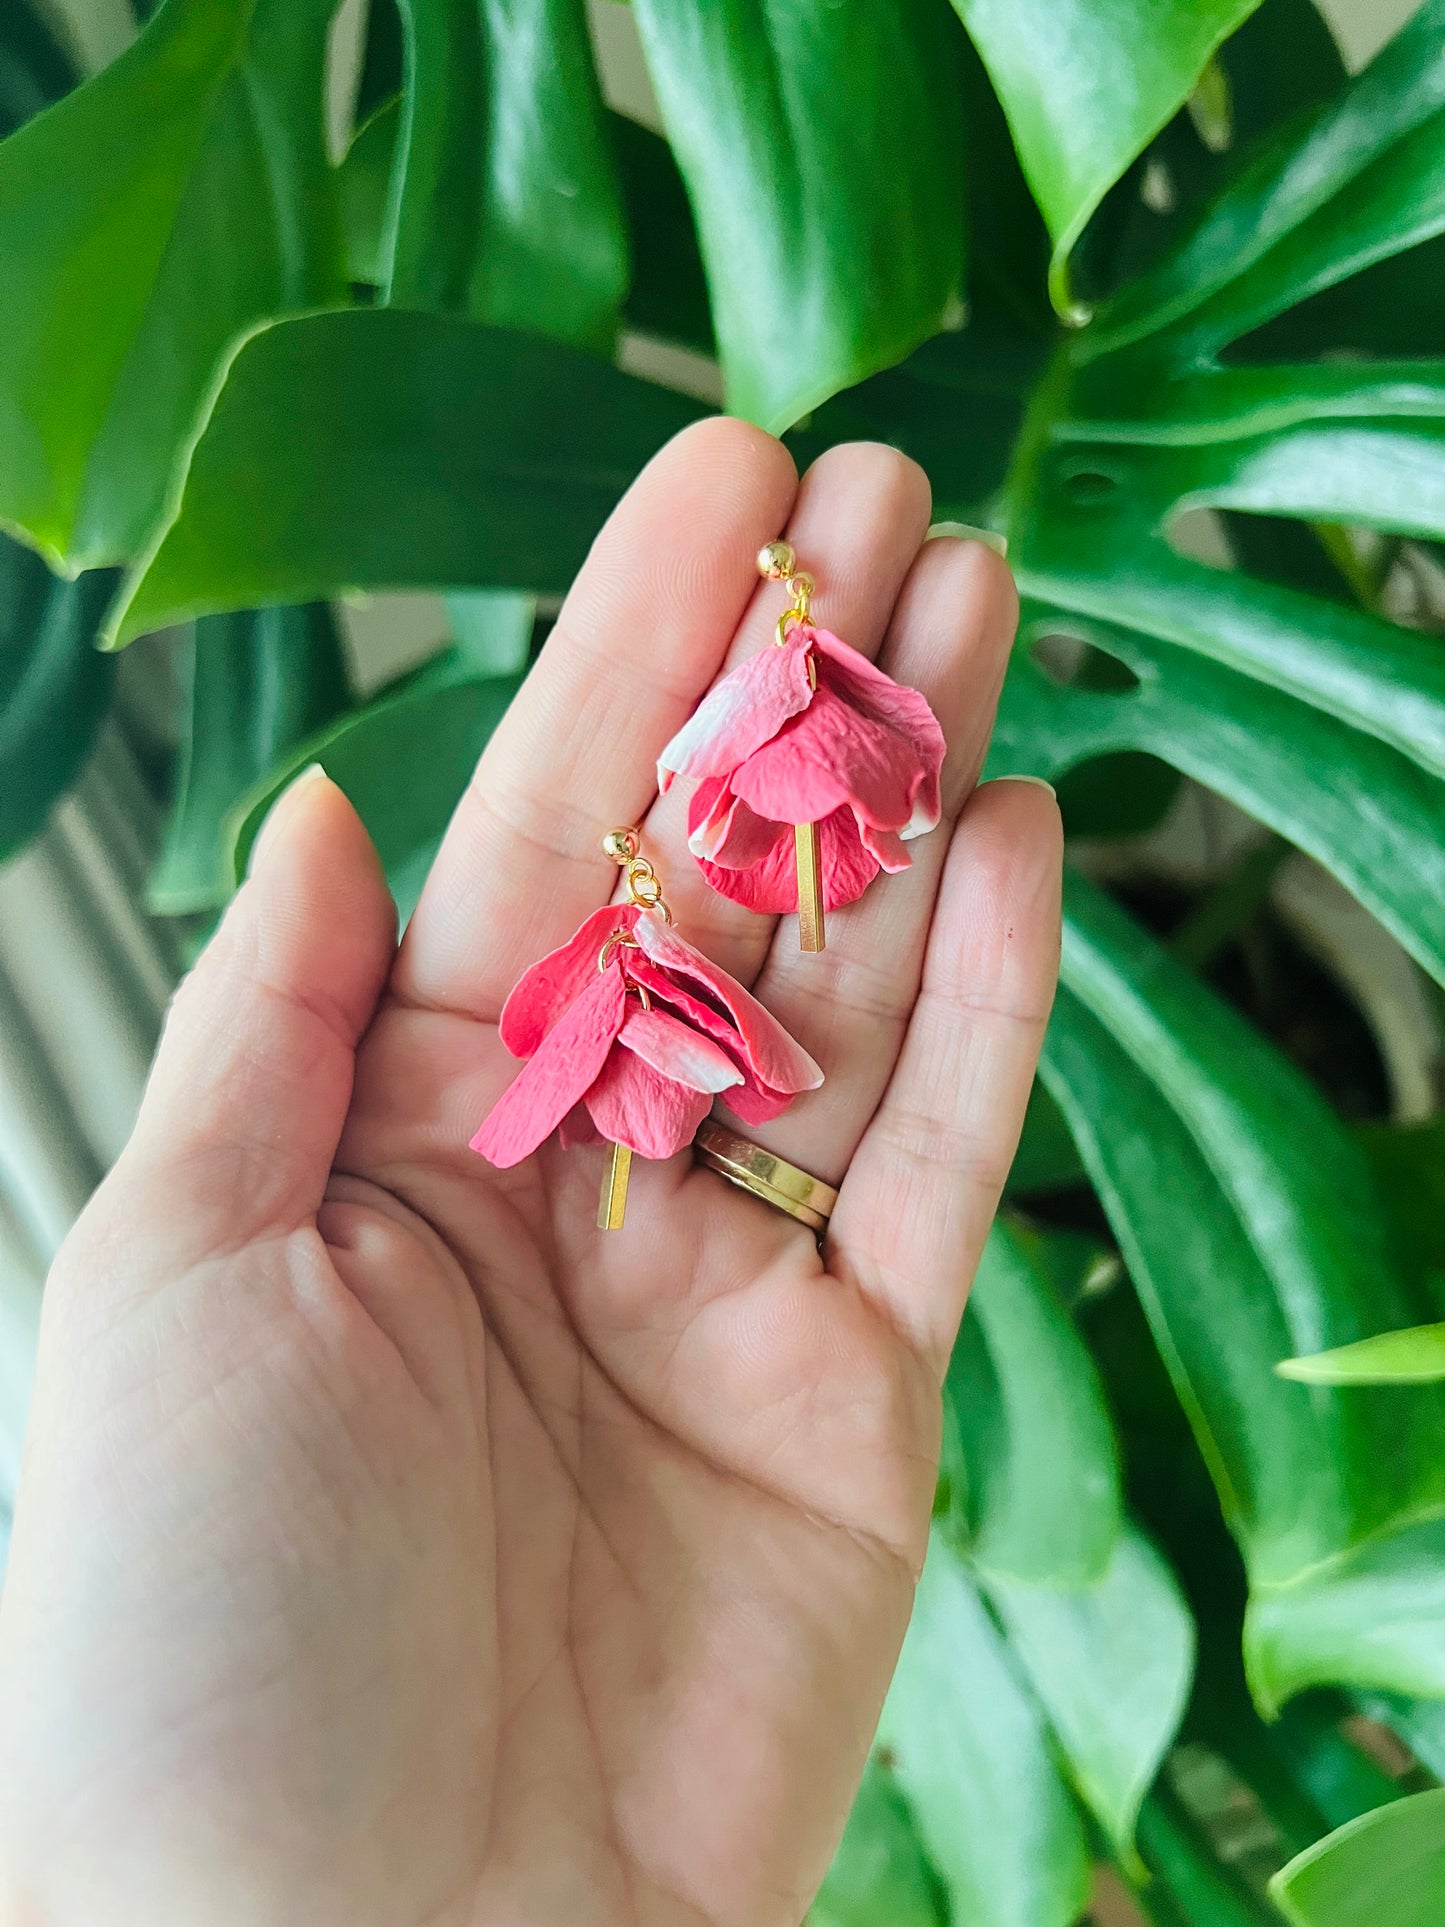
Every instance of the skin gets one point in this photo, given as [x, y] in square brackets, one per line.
[393, 1547]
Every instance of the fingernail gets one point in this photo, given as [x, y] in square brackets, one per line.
[1037, 781]
[277, 814]
[990, 538]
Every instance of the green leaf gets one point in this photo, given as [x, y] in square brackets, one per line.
[364, 182]
[382, 450]
[505, 203]
[1365, 811]
[170, 203]
[1387, 1866]
[970, 1754]
[404, 760]
[1245, 1214]
[821, 148]
[1359, 181]
[55, 686]
[880, 1876]
[1190, 1885]
[668, 296]
[1111, 1664]
[254, 685]
[1408, 1162]
[493, 628]
[1029, 1456]
[1407, 1357]
[1419, 1723]
[1087, 86]
[34, 67]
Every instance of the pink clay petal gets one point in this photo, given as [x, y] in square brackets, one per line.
[552, 1081]
[677, 1051]
[542, 994]
[865, 687]
[739, 714]
[726, 832]
[633, 1104]
[752, 1104]
[833, 755]
[773, 1056]
[770, 887]
[888, 847]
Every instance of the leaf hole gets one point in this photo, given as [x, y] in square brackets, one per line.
[1076, 663]
[1089, 485]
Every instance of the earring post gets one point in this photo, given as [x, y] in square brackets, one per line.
[612, 1202]
[811, 935]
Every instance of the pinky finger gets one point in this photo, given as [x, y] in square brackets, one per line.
[924, 1184]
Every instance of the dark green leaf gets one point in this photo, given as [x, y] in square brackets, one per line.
[1087, 86]
[364, 182]
[1245, 1214]
[1030, 1455]
[880, 1876]
[821, 147]
[969, 1751]
[1419, 1723]
[505, 203]
[1408, 1162]
[1111, 1664]
[54, 686]
[1046, 1159]
[1190, 1885]
[1359, 181]
[1357, 805]
[254, 686]
[668, 296]
[34, 67]
[383, 450]
[186, 192]
[1388, 1866]
[404, 760]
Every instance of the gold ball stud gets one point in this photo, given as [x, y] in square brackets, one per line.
[776, 559]
[620, 845]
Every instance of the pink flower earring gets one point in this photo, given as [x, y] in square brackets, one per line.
[815, 769]
[628, 1035]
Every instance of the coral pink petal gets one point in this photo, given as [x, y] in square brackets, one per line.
[771, 885]
[773, 1057]
[678, 1051]
[873, 694]
[542, 995]
[633, 1104]
[887, 847]
[551, 1082]
[830, 756]
[739, 714]
[724, 831]
[752, 1104]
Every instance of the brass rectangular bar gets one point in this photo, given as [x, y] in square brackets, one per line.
[810, 887]
[612, 1204]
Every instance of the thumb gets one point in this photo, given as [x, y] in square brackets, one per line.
[250, 1088]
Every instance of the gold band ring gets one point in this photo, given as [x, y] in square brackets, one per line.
[770, 1178]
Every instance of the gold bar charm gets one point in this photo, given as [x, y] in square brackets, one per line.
[612, 1204]
[810, 887]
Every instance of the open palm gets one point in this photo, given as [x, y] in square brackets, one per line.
[394, 1547]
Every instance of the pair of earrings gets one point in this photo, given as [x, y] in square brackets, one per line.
[814, 769]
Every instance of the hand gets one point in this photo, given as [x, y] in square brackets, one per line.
[393, 1547]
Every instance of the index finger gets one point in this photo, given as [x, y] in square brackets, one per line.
[640, 637]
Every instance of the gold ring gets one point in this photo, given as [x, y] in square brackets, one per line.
[770, 1178]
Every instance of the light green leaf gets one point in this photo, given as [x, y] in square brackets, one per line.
[1361, 808]
[1245, 1215]
[493, 628]
[1387, 1866]
[1029, 1455]
[404, 760]
[1111, 1665]
[822, 150]
[1359, 181]
[253, 686]
[383, 450]
[1086, 86]
[364, 182]
[505, 203]
[171, 202]
[55, 686]
[1405, 1357]
[880, 1876]
[970, 1754]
